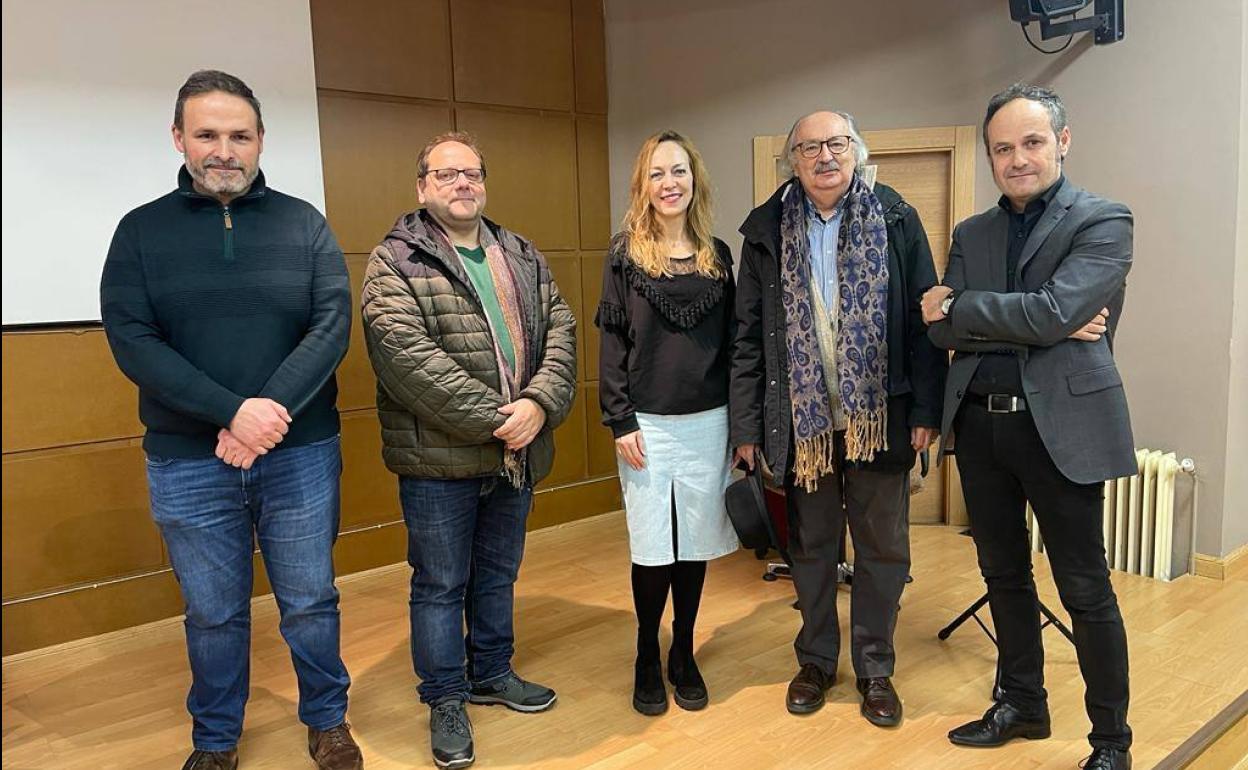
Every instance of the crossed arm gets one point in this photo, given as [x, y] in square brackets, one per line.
[1072, 304]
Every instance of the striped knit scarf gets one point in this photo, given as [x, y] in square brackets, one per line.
[861, 354]
[512, 304]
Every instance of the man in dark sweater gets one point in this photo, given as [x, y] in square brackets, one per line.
[228, 304]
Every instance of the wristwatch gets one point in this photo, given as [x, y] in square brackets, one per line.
[947, 303]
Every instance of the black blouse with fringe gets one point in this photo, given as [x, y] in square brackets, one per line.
[665, 342]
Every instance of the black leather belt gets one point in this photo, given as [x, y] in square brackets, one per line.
[999, 403]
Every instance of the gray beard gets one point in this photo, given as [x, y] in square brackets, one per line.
[218, 185]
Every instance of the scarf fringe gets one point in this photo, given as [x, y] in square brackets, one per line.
[513, 467]
[865, 436]
[816, 456]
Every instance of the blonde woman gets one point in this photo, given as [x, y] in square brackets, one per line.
[666, 315]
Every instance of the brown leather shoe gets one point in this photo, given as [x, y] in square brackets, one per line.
[335, 749]
[806, 691]
[880, 703]
[212, 760]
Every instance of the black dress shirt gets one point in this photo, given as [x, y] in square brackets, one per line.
[1000, 372]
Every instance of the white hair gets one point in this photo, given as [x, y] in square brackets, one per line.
[861, 151]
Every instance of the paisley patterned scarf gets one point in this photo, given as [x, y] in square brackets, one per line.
[861, 355]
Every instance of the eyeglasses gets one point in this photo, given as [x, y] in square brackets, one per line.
[837, 145]
[445, 176]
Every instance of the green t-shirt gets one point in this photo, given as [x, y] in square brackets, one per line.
[483, 282]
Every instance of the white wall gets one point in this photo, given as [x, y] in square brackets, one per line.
[88, 100]
[1235, 521]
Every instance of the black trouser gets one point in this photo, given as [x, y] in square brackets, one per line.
[877, 504]
[1004, 465]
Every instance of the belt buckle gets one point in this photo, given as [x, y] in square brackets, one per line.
[1011, 403]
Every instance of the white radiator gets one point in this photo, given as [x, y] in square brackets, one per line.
[1138, 516]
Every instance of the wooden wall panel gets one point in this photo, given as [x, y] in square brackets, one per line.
[98, 610]
[594, 182]
[370, 548]
[532, 173]
[370, 492]
[62, 387]
[591, 293]
[601, 444]
[369, 151]
[514, 52]
[76, 515]
[569, 448]
[566, 270]
[357, 385]
[369, 46]
[575, 501]
[589, 49]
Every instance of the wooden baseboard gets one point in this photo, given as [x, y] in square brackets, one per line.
[1233, 564]
[1221, 743]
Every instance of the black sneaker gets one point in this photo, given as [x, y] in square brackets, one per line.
[514, 693]
[450, 734]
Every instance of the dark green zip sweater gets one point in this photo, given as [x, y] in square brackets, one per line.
[206, 305]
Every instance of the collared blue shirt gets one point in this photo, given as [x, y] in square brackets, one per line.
[824, 236]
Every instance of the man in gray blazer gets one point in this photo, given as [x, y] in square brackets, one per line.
[1036, 411]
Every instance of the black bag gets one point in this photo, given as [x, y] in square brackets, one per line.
[747, 509]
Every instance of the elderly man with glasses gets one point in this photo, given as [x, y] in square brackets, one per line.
[835, 387]
[475, 355]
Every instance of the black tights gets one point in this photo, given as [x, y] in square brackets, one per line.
[650, 588]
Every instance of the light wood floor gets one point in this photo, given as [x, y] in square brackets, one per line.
[118, 701]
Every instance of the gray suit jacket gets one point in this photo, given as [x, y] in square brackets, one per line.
[1074, 263]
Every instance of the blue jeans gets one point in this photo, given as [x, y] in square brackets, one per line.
[207, 513]
[465, 539]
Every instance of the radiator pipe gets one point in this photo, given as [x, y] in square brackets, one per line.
[1188, 465]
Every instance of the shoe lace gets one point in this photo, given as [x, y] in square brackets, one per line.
[449, 718]
[337, 738]
[206, 760]
[1098, 760]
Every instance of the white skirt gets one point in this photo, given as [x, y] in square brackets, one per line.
[687, 457]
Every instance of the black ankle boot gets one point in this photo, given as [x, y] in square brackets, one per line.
[649, 694]
[682, 672]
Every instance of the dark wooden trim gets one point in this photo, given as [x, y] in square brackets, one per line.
[1200, 741]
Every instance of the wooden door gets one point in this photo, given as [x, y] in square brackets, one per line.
[934, 170]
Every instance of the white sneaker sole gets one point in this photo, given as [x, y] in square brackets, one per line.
[455, 763]
[494, 700]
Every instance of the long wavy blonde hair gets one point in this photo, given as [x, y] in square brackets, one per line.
[641, 225]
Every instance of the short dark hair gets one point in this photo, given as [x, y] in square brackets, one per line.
[1046, 97]
[210, 81]
[463, 137]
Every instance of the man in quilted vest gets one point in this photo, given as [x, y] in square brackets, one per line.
[475, 354]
